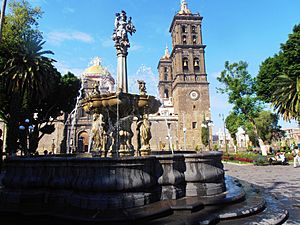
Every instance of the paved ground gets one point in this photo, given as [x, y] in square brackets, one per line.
[281, 181]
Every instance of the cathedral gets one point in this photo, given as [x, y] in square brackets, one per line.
[183, 86]
[183, 91]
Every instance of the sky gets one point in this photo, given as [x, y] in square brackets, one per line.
[233, 30]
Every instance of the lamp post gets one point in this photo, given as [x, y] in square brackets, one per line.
[207, 123]
[224, 128]
[26, 129]
[184, 138]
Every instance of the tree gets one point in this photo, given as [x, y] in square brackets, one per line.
[29, 83]
[233, 122]
[280, 75]
[267, 127]
[61, 99]
[205, 136]
[20, 23]
[241, 90]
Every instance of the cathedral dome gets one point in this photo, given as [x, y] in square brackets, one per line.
[96, 70]
[96, 73]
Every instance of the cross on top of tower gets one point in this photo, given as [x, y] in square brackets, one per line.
[184, 8]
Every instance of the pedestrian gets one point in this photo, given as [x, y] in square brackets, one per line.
[296, 155]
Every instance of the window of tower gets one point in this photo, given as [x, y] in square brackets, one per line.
[194, 125]
[166, 95]
[166, 69]
[184, 39]
[194, 29]
[196, 65]
[185, 64]
[183, 28]
[166, 76]
[194, 39]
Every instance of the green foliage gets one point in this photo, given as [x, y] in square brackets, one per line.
[29, 83]
[233, 122]
[241, 90]
[215, 147]
[261, 161]
[205, 136]
[21, 22]
[280, 75]
[268, 128]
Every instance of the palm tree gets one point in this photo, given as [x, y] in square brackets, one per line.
[28, 77]
[286, 98]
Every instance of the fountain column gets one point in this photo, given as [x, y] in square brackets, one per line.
[122, 70]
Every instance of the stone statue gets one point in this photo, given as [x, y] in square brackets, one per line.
[142, 87]
[145, 133]
[98, 133]
[122, 27]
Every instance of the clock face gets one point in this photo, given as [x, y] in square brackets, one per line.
[194, 95]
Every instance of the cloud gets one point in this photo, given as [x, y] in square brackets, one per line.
[57, 37]
[64, 68]
[146, 74]
[68, 10]
[135, 47]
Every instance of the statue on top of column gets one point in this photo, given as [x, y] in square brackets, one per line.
[121, 30]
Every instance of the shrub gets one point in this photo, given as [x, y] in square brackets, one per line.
[261, 161]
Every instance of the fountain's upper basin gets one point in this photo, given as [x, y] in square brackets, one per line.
[125, 103]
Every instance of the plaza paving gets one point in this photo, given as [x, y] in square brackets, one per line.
[281, 181]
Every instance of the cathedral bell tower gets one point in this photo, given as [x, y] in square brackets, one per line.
[188, 78]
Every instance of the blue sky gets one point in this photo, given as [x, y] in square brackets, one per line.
[249, 30]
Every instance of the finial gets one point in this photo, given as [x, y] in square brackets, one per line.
[184, 8]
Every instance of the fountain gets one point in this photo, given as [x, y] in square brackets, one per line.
[123, 185]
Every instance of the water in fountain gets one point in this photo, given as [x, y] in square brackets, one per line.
[73, 114]
[169, 134]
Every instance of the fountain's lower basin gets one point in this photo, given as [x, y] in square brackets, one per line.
[124, 190]
[109, 183]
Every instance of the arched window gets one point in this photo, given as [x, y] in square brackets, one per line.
[194, 39]
[83, 141]
[166, 95]
[196, 65]
[166, 76]
[185, 64]
[183, 28]
[194, 29]
[184, 40]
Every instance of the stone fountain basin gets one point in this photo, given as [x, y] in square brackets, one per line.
[125, 103]
[82, 174]
[40, 184]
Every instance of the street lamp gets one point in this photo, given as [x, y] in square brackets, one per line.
[224, 127]
[207, 123]
[184, 138]
[26, 128]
